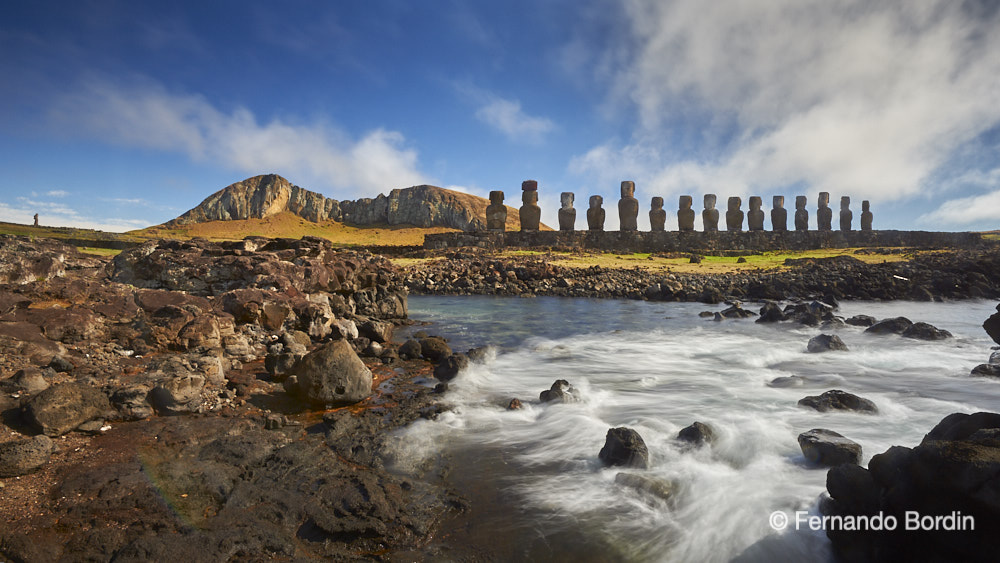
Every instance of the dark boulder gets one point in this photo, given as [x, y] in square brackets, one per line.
[376, 331]
[924, 331]
[697, 434]
[63, 407]
[61, 364]
[861, 320]
[333, 374]
[771, 313]
[410, 350]
[561, 391]
[826, 343]
[837, 400]
[828, 448]
[178, 393]
[736, 311]
[787, 381]
[987, 370]
[515, 405]
[624, 447]
[992, 326]
[896, 325]
[24, 456]
[31, 380]
[450, 366]
[434, 348]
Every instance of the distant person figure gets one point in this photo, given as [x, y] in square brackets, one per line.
[530, 214]
[567, 214]
[496, 213]
[845, 213]
[657, 216]
[628, 208]
[710, 216]
[801, 214]
[824, 215]
[779, 215]
[755, 217]
[595, 215]
[36, 219]
[866, 216]
[685, 215]
[734, 215]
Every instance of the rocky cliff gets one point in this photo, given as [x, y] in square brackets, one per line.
[270, 194]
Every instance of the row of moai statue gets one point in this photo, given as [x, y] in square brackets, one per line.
[628, 212]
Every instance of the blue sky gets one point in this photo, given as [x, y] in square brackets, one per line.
[120, 115]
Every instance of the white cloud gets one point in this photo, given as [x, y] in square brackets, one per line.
[57, 193]
[853, 97]
[507, 117]
[967, 211]
[312, 155]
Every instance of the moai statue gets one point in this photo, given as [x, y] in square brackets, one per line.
[628, 208]
[755, 217]
[496, 213]
[657, 216]
[36, 219]
[710, 216]
[801, 214]
[779, 215]
[685, 215]
[595, 215]
[530, 213]
[845, 213]
[866, 216]
[824, 215]
[567, 214]
[734, 216]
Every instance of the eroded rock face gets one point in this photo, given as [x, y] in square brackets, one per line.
[63, 407]
[828, 448]
[333, 374]
[624, 447]
[23, 261]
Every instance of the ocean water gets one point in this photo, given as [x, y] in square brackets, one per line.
[538, 488]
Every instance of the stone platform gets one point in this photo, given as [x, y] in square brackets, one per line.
[701, 242]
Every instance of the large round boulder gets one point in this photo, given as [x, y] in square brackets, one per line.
[24, 456]
[925, 331]
[698, 434]
[450, 366]
[434, 348]
[828, 448]
[624, 447]
[837, 400]
[896, 325]
[63, 407]
[333, 374]
[826, 343]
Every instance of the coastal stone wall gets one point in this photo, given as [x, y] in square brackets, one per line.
[701, 242]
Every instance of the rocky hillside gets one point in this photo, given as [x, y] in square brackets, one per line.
[421, 206]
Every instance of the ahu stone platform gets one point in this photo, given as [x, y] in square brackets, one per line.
[699, 241]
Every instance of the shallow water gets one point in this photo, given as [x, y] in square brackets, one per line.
[658, 367]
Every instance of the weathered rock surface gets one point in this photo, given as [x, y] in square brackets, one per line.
[450, 366]
[21, 457]
[826, 343]
[332, 375]
[624, 447]
[697, 434]
[924, 331]
[837, 400]
[560, 392]
[992, 326]
[828, 448]
[897, 325]
[63, 407]
[434, 348]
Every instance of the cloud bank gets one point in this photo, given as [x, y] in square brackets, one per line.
[507, 117]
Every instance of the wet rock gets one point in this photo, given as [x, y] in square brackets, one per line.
[896, 325]
[61, 408]
[561, 391]
[924, 331]
[994, 359]
[828, 448]
[826, 343]
[624, 447]
[987, 370]
[281, 364]
[697, 434]
[736, 311]
[514, 405]
[450, 366]
[837, 400]
[479, 354]
[21, 457]
[861, 320]
[410, 350]
[656, 488]
[178, 394]
[332, 375]
[771, 313]
[376, 331]
[434, 348]
[992, 326]
[31, 380]
[787, 381]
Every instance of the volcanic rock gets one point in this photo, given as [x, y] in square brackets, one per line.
[837, 400]
[656, 488]
[450, 366]
[896, 325]
[434, 348]
[924, 331]
[625, 447]
[828, 448]
[332, 375]
[771, 313]
[697, 434]
[63, 407]
[861, 320]
[561, 391]
[826, 343]
[410, 350]
[24, 456]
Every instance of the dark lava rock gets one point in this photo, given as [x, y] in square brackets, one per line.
[178, 394]
[895, 325]
[924, 331]
[376, 331]
[450, 366]
[988, 370]
[657, 488]
[826, 343]
[561, 391]
[478, 354]
[410, 350]
[952, 473]
[787, 381]
[514, 405]
[861, 320]
[736, 311]
[992, 326]
[837, 400]
[63, 407]
[333, 374]
[697, 434]
[24, 456]
[434, 348]
[771, 313]
[30, 380]
[828, 448]
[625, 447]
[61, 364]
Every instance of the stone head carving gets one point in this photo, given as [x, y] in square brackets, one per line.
[779, 215]
[800, 202]
[734, 203]
[566, 199]
[824, 215]
[710, 216]
[656, 202]
[710, 201]
[865, 206]
[496, 212]
[567, 215]
[755, 217]
[734, 216]
[778, 202]
[866, 216]
[685, 202]
[628, 208]
[596, 201]
[755, 202]
[529, 198]
[530, 214]
[801, 214]
[824, 199]
[845, 213]
[628, 189]
[496, 196]
[529, 185]
[596, 213]
[845, 203]
[657, 216]
[685, 215]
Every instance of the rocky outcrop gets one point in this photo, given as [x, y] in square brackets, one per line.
[828, 448]
[624, 447]
[837, 400]
[420, 206]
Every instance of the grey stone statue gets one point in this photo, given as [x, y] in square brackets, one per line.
[685, 215]
[734, 215]
[801, 214]
[657, 216]
[36, 219]
[628, 208]
[845, 213]
[530, 213]
[824, 215]
[779, 215]
[866, 216]
[496, 213]
[755, 217]
[595, 215]
[567, 214]
[710, 216]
